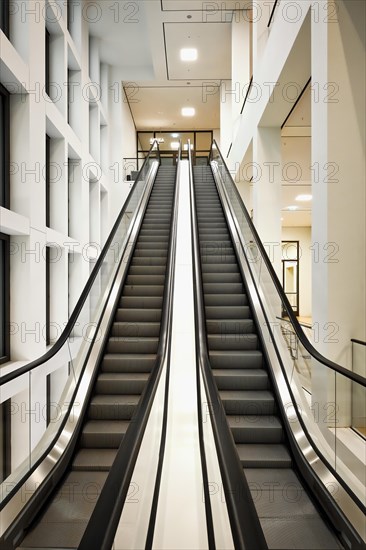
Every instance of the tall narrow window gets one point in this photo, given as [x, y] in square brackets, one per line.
[47, 63]
[4, 299]
[69, 14]
[48, 182]
[48, 297]
[4, 146]
[4, 17]
[5, 440]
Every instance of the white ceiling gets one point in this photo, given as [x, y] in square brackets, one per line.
[143, 39]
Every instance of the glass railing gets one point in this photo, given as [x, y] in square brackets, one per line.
[320, 391]
[40, 425]
[358, 393]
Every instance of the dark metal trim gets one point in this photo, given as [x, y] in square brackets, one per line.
[247, 94]
[272, 13]
[296, 103]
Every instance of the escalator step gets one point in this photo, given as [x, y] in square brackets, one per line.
[241, 379]
[255, 429]
[94, 459]
[132, 363]
[113, 407]
[225, 300]
[259, 455]
[132, 345]
[230, 326]
[243, 359]
[129, 329]
[135, 315]
[130, 383]
[228, 312]
[248, 402]
[100, 434]
[141, 302]
[232, 342]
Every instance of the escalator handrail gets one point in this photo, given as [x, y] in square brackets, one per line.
[245, 525]
[81, 301]
[102, 526]
[292, 317]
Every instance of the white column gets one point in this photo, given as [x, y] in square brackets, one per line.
[240, 66]
[226, 128]
[267, 191]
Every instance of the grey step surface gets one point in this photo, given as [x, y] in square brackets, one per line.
[124, 370]
[288, 517]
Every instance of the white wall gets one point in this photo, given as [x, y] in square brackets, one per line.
[86, 193]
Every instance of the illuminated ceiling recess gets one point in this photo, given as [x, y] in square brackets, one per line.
[188, 54]
[188, 111]
[304, 198]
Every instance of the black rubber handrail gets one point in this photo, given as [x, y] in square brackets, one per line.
[285, 303]
[80, 303]
[245, 525]
[357, 341]
[103, 523]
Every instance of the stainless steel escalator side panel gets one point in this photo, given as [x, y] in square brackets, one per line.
[37, 481]
[344, 501]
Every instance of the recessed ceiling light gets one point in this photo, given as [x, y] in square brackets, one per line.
[174, 145]
[188, 54]
[304, 198]
[188, 111]
[292, 207]
[175, 135]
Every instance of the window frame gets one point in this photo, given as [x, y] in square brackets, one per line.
[5, 291]
[5, 17]
[5, 147]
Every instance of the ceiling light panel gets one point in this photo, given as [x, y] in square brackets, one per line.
[188, 111]
[188, 54]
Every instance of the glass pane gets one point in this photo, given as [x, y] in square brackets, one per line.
[2, 298]
[2, 149]
[203, 141]
[144, 140]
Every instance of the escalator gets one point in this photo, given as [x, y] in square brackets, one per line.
[288, 515]
[128, 359]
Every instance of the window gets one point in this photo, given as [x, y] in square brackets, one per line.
[4, 17]
[4, 146]
[4, 298]
[5, 441]
[47, 63]
[48, 182]
[48, 297]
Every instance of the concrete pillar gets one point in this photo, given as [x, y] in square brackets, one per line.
[240, 66]
[267, 191]
[226, 129]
